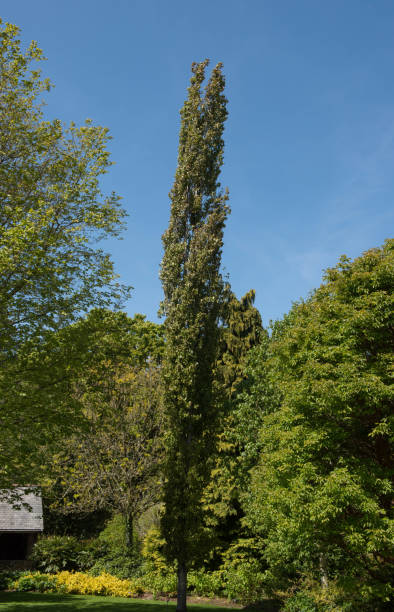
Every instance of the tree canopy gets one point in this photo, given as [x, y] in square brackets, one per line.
[52, 213]
[320, 499]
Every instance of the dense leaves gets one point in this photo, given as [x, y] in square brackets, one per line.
[320, 502]
[193, 297]
[111, 462]
[52, 213]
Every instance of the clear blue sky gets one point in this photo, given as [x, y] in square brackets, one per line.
[309, 154]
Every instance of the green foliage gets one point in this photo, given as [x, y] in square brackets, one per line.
[111, 464]
[242, 572]
[55, 553]
[92, 551]
[193, 303]
[157, 575]
[320, 500]
[301, 602]
[242, 329]
[52, 214]
[8, 577]
[117, 558]
[106, 554]
[204, 583]
[113, 534]
[123, 565]
[37, 582]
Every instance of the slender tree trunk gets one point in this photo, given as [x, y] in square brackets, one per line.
[323, 571]
[129, 532]
[182, 585]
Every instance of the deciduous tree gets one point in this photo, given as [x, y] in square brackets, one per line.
[321, 499]
[111, 463]
[193, 297]
[52, 213]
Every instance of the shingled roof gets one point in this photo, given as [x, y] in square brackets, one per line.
[12, 519]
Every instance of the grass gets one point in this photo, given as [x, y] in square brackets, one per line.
[53, 602]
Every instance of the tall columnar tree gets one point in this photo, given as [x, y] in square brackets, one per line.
[193, 300]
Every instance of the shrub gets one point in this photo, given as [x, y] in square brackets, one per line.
[160, 583]
[92, 551]
[244, 582]
[78, 583]
[105, 584]
[36, 582]
[206, 584]
[114, 532]
[111, 556]
[8, 577]
[158, 577]
[52, 554]
[300, 602]
[117, 564]
[152, 552]
[242, 572]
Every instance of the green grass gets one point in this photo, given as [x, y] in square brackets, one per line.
[51, 602]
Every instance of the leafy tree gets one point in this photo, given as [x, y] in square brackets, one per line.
[111, 463]
[320, 502]
[193, 300]
[242, 330]
[52, 214]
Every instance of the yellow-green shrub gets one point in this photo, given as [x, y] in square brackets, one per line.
[158, 576]
[105, 584]
[79, 584]
[35, 581]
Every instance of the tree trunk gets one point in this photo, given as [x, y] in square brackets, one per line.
[182, 585]
[129, 533]
[323, 571]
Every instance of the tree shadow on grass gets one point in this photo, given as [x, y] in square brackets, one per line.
[47, 602]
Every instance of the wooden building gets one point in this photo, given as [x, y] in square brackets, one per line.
[20, 526]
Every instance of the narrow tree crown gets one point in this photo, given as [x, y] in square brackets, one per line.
[193, 304]
[196, 196]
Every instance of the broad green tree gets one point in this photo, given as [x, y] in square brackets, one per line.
[193, 302]
[52, 213]
[321, 497]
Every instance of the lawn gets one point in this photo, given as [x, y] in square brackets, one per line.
[48, 602]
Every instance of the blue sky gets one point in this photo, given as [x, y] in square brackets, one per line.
[309, 141]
